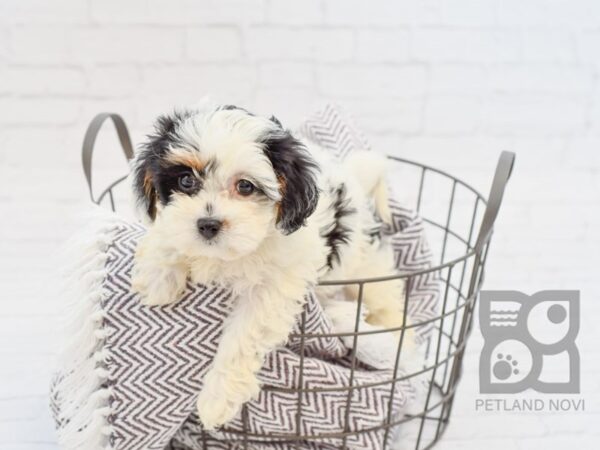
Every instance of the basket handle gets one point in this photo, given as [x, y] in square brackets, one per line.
[503, 171]
[89, 140]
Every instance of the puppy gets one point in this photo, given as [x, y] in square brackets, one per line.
[236, 199]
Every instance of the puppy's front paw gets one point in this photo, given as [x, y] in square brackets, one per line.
[214, 410]
[222, 398]
[158, 285]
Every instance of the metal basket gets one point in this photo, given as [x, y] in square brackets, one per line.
[462, 256]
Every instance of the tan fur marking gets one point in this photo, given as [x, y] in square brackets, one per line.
[187, 159]
[282, 188]
[150, 194]
[148, 186]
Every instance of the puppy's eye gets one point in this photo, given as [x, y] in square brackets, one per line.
[245, 187]
[188, 182]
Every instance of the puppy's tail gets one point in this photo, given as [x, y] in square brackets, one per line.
[369, 170]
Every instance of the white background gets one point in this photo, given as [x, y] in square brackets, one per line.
[449, 83]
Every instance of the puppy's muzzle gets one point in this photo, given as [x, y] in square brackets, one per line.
[209, 228]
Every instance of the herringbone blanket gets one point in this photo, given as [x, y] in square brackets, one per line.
[130, 373]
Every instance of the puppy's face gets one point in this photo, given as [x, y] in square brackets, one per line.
[218, 183]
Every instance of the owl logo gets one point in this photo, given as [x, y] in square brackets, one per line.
[529, 342]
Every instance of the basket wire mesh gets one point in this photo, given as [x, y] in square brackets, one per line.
[461, 273]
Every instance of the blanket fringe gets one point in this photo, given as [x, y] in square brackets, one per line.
[82, 384]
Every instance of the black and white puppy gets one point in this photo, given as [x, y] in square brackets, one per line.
[236, 199]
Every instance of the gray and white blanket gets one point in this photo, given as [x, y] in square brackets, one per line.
[129, 373]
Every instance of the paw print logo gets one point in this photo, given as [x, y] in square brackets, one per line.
[510, 362]
[505, 367]
[522, 333]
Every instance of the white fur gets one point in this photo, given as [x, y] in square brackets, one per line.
[268, 272]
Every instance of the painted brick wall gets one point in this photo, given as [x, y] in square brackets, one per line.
[449, 83]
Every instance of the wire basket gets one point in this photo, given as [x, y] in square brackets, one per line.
[459, 223]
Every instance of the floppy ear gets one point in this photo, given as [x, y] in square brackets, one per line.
[143, 184]
[146, 162]
[296, 171]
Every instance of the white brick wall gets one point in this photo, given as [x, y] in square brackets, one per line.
[449, 83]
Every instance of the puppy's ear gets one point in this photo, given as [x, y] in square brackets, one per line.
[146, 163]
[143, 184]
[296, 171]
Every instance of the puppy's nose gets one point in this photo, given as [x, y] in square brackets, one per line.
[209, 227]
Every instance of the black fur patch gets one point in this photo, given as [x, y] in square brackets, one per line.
[338, 234]
[296, 170]
[149, 161]
[166, 182]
